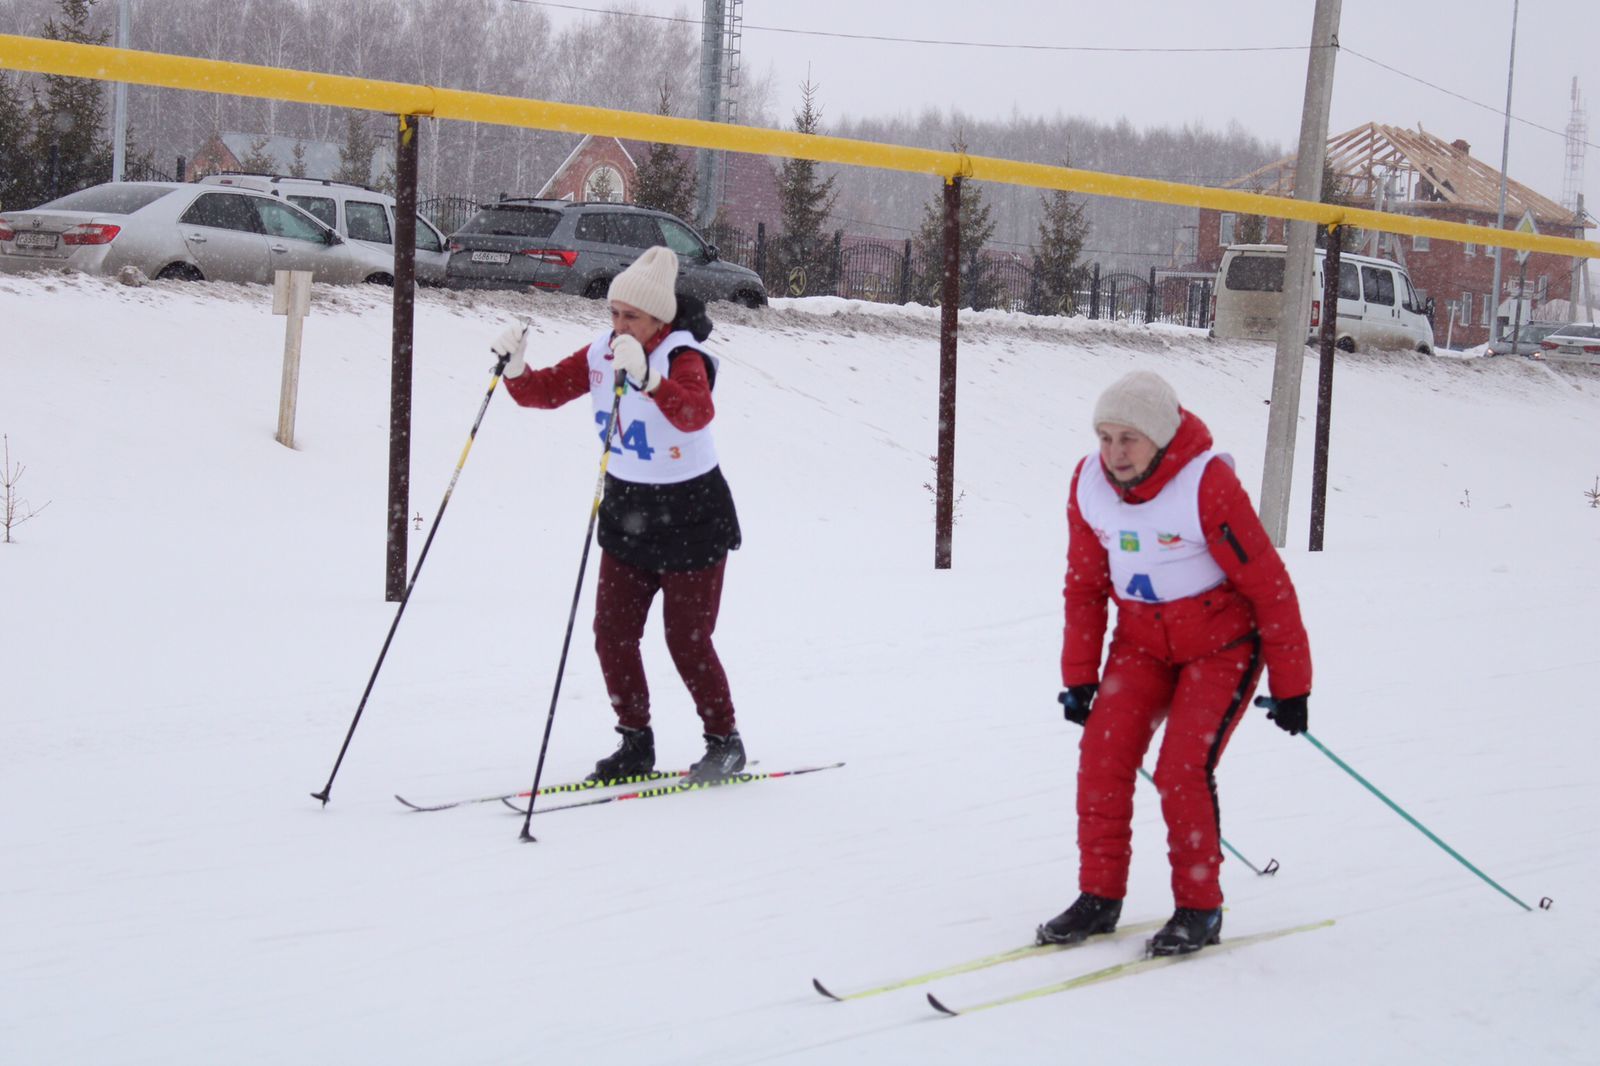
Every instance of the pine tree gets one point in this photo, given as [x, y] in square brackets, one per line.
[297, 162]
[1250, 229]
[600, 189]
[355, 155]
[1055, 257]
[979, 288]
[19, 177]
[665, 179]
[258, 160]
[69, 117]
[803, 256]
[1336, 190]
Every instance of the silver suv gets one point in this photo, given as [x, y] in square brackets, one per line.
[356, 212]
[559, 246]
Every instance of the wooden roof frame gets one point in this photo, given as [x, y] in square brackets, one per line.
[1388, 166]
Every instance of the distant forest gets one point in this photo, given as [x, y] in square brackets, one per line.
[508, 48]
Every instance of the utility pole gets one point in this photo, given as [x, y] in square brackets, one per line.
[119, 98]
[1283, 418]
[1582, 296]
[713, 24]
[1505, 158]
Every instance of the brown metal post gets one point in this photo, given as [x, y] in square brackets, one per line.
[1330, 326]
[949, 304]
[405, 276]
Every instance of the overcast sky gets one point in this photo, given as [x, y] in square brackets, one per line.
[1457, 48]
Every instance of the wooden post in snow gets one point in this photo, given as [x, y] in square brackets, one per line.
[291, 297]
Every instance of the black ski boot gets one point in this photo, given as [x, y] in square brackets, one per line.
[1089, 915]
[724, 757]
[1188, 930]
[635, 755]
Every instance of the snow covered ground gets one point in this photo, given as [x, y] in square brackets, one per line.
[186, 628]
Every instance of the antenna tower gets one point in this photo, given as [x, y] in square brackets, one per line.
[1577, 138]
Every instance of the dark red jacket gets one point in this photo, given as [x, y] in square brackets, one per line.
[1256, 595]
[684, 397]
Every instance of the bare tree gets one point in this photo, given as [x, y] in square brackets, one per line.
[13, 510]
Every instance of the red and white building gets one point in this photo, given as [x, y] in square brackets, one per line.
[749, 190]
[1413, 172]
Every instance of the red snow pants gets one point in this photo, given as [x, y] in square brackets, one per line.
[1173, 662]
[690, 601]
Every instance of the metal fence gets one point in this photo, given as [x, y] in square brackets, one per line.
[901, 271]
[449, 213]
[889, 271]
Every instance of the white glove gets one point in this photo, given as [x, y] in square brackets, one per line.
[627, 355]
[510, 345]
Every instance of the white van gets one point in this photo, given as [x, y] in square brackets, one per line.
[1378, 308]
[355, 212]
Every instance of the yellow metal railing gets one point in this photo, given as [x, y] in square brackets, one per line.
[208, 75]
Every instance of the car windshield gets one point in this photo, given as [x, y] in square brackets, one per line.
[115, 199]
[1582, 332]
[513, 220]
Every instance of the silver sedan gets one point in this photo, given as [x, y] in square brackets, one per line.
[1578, 342]
[181, 230]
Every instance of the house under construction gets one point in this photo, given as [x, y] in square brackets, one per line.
[1413, 172]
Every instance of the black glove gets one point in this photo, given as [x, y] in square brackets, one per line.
[1076, 702]
[1290, 715]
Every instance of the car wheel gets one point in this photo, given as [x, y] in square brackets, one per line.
[1345, 344]
[180, 272]
[380, 279]
[1424, 349]
[749, 299]
[597, 289]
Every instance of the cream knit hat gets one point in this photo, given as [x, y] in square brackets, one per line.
[649, 284]
[1144, 401]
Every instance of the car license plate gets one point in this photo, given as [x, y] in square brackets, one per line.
[491, 257]
[36, 240]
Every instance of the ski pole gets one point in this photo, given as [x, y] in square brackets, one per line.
[499, 368]
[1272, 864]
[1418, 825]
[566, 642]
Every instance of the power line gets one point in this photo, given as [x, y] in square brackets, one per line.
[1023, 47]
[888, 39]
[1464, 99]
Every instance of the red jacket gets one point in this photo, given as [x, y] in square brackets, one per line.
[684, 396]
[1256, 595]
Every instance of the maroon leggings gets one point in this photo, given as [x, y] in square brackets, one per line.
[690, 600]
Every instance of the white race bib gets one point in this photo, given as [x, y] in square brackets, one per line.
[1157, 549]
[645, 447]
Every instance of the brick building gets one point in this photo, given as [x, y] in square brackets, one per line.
[750, 183]
[224, 152]
[1416, 173]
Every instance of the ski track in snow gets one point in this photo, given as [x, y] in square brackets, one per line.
[186, 631]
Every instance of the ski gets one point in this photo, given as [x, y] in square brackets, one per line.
[573, 786]
[674, 790]
[1127, 969]
[986, 961]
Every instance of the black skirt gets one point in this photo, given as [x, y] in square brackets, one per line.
[689, 525]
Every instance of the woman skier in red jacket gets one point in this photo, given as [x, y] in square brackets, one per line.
[667, 520]
[1159, 523]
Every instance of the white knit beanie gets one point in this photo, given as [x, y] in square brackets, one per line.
[1144, 401]
[649, 284]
